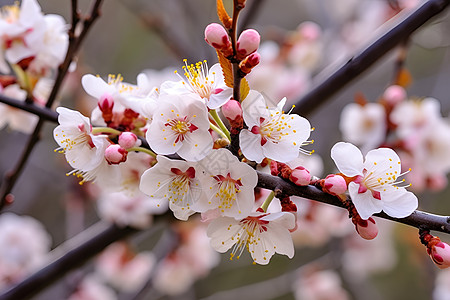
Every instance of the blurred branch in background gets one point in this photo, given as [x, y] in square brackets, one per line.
[76, 251]
[361, 62]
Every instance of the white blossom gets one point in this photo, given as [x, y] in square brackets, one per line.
[124, 269]
[262, 234]
[175, 181]
[209, 85]
[228, 184]
[271, 133]
[24, 243]
[363, 125]
[180, 125]
[22, 30]
[375, 184]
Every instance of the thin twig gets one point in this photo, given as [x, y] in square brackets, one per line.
[74, 44]
[416, 219]
[359, 63]
[43, 112]
[250, 12]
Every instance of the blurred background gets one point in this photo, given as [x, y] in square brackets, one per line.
[331, 260]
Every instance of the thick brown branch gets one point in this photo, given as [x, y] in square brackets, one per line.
[361, 62]
[416, 219]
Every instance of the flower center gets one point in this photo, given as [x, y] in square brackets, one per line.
[179, 187]
[117, 82]
[377, 180]
[198, 80]
[228, 189]
[273, 128]
[251, 228]
[180, 127]
[68, 141]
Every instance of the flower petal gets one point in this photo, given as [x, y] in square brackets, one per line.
[365, 203]
[382, 161]
[253, 108]
[221, 231]
[251, 145]
[348, 159]
[196, 146]
[95, 86]
[399, 203]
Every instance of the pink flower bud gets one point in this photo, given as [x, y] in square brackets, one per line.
[367, 229]
[334, 185]
[217, 36]
[440, 254]
[309, 31]
[247, 43]
[106, 104]
[127, 140]
[250, 62]
[394, 94]
[300, 176]
[114, 154]
[232, 110]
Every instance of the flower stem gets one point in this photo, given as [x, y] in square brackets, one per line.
[219, 122]
[142, 149]
[219, 131]
[268, 200]
[99, 130]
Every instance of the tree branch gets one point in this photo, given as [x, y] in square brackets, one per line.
[43, 112]
[361, 62]
[79, 251]
[73, 258]
[416, 219]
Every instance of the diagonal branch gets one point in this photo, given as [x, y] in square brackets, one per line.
[361, 62]
[43, 112]
[416, 219]
[74, 257]
[80, 251]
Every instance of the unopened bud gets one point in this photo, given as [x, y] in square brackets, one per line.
[217, 36]
[249, 62]
[128, 140]
[394, 94]
[334, 184]
[300, 176]
[115, 154]
[106, 104]
[367, 229]
[247, 43]
[232, 110]
[440, 254]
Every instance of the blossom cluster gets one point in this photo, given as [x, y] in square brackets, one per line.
[187, 169]
[414, 127]
[32, 46]
[199, 140]
[156, 146]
